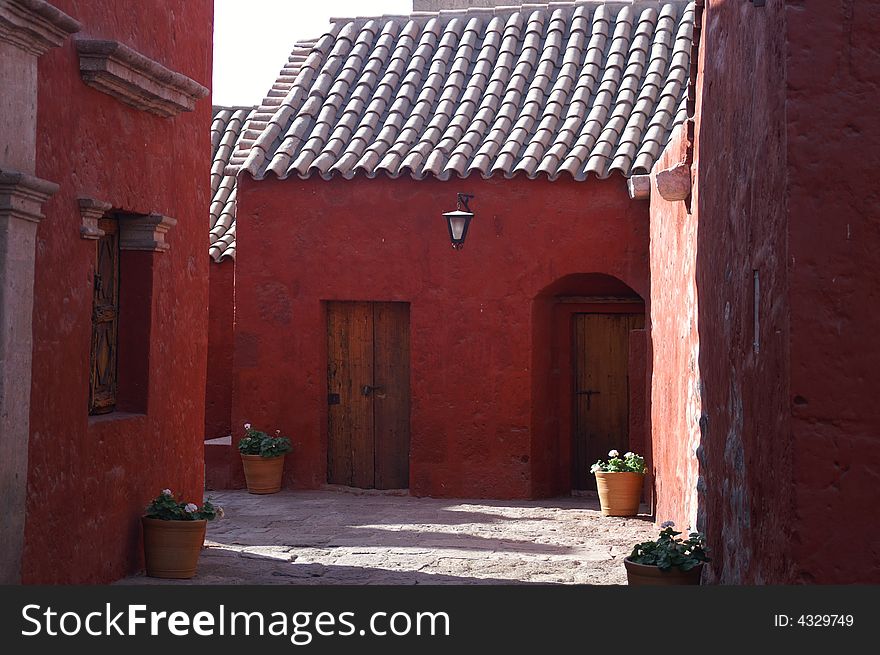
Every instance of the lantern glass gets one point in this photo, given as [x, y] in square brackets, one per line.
[457, 222]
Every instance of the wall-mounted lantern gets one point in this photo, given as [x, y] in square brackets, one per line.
[459, 220]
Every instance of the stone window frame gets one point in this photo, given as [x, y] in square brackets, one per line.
[141, 237]
[136, 231]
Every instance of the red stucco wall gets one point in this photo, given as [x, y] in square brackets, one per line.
[474, 414]
[716, 396]
[833, 91]
[786, 152]
[218, 396]
[745, 457]
[675, 386]
[89, 479]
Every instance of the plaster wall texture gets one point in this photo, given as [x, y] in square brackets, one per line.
[739, 152]
[481, 332]
[676, 401]
[785, 152]
[721, 405]
[218, 400]
[96, 474]
[833, 151]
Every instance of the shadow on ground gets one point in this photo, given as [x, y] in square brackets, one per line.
[329, 537]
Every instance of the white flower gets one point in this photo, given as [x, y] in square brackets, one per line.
[220, 513]
[247, 426]
[594, 468]
[167, 492]
[613, 453]
[628, 454]
[190, 508]
[667, 524]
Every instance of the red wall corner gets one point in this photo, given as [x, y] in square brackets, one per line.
[218, 394]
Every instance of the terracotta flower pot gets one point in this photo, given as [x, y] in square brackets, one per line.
[644, 574]
[172, 548]
[263, 474]
[619, 492]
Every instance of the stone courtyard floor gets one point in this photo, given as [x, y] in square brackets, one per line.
[338, 537]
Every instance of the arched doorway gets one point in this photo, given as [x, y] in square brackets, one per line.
[589, 379]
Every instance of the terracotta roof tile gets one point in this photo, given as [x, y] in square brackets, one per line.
[235, 130]
[578, 88]
[227, 128]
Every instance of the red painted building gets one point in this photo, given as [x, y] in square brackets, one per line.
[729, 292]
[395, 361]
[747, 237]
[104, 119]
[764, 418]
[488, 326]
[226, 129]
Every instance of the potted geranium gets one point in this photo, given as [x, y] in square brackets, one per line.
[670, 560]
[619, 483]
[174, 532]
[262, 457]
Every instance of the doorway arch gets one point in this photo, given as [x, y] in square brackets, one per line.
[589, 378]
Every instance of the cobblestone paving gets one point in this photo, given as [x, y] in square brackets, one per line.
[334, 537]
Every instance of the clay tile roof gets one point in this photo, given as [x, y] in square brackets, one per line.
[234, 128]
[226, 130]
[576, 88]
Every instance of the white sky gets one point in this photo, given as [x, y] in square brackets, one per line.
[252, 39]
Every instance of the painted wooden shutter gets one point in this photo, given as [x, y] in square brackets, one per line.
[105, 322]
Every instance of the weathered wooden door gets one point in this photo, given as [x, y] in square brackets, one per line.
[600, 346]
[368, 394]
[105, 322]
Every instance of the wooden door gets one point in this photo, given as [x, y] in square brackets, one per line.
[368, 394]
[600, 347]
[105, 322]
